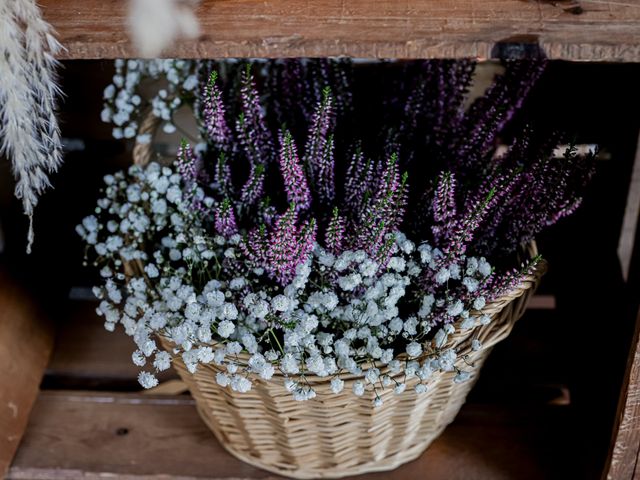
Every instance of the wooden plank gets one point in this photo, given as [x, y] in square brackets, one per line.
[595, 30]
[93, 435]
[626, 442]
[623, 462]
[26, 339]
[631, 217]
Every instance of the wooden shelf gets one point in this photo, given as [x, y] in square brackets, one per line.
[79, 434]
[595, 30]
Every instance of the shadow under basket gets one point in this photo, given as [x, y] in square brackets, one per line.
[336, 435]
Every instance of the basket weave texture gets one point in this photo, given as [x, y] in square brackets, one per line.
[336, 435]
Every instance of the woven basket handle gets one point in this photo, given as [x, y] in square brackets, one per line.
[143, 152]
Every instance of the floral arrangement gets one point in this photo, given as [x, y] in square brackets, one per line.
[292, 252]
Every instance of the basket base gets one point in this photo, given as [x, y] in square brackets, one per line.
[384, 465]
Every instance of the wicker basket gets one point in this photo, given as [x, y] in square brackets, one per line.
[333, 435]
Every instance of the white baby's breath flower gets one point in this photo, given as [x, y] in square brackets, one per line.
[162, 361]
[358, 388]
[147, 380]
[223, 379]
[337, 385]
[280, 303]
[226, 328]
[414, 349]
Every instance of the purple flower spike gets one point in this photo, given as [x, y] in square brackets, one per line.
[444, 203]
[222, 177]
[225, 219]
[253, 133]
[252, 190]
[187, 163]
[498, 285]
[283, 244]
[334, 237]
[256, 246]
[319, 149]
[284, 248]
[384, 213]
[214, 115]
[295, 183]
[360, 182]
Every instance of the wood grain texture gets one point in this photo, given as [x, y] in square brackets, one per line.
[105, 435]
[26, 339]
[631, 217]
[626, 443]
[596, 30]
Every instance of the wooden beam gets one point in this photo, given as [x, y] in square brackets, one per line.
[594, 30]
[623, 459]
[623, 462]
[631, 217]
[134, 436]
[26, 339]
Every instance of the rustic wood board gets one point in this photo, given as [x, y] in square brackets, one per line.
[26, 340]
[596, 30]
[98, 435]
[626, 443]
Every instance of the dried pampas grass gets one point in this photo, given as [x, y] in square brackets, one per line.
[29, 131]
[156, 24]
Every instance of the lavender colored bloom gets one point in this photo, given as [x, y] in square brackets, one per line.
[187, 163]
[319, 155]
[281, 250]
[253, 134]
[225, 219]
[295, 183]
[385, 210]
[444, 203]
[254, 187]
[501, 284]
[222, 176]
[335, 234]
[256, 246]
[214, 115]
[359, 183]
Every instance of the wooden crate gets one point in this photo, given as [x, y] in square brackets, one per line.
[89, 421]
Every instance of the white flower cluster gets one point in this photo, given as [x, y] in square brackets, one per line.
[123, 100]
[340, 315]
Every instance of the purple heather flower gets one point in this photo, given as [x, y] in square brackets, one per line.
[256, 246]
[334, 236]
[319, 149]
[253, 133]
[385, 210]
[444, 203]
[225, 219]
[295, 182]
[360, 182]
[187, 163]
[214, 115]
[222, 176]
[289, 245]
[283, 244]
[281, 250]
[501, 284]
[253, 188]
